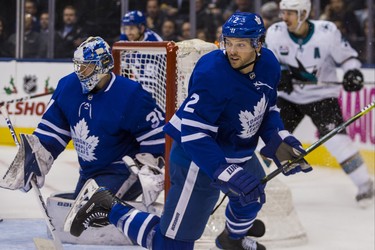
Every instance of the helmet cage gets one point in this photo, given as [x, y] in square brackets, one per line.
[92, 60]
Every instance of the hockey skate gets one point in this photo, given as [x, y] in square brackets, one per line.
[365, 194]
[223, 241]
[94, 212]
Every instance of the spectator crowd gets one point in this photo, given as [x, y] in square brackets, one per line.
[76, 20]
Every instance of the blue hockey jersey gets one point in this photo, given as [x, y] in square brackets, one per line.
[149, 35]
[226, 111]
[120, 119]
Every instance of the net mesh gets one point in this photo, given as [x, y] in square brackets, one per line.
[148, 67]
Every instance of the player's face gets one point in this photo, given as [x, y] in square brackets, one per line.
[239, 52]
[133, 32]
[290, 17]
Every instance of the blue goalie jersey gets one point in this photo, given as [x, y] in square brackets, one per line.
[226, 111]
[120, 119]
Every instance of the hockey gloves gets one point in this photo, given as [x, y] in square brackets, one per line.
[284, 147]
[150, 171]
[353, 80]
[236, 180]
[285, 84]
[32, 161]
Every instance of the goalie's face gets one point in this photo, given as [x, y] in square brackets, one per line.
[240, 52]
[88, 74]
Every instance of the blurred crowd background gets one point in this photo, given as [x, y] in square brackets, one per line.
[54, 28]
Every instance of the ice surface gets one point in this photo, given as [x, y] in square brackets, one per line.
[324, 200]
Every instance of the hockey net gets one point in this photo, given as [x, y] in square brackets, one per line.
[164, 69]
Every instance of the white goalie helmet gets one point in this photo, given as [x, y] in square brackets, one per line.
[92, 61]
[299, 5]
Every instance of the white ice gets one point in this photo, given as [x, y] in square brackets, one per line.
[323, 199]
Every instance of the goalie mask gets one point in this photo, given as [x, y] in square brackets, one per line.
[92, 61]
[244, 25]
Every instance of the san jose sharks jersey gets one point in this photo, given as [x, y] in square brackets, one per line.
[312, 60]
[120, 119]
[226, 111]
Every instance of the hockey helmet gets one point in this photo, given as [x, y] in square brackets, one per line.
[298, 5]
[134, 17]
[92, 60]
[244, 25]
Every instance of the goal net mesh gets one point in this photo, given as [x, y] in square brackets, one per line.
[164, 69]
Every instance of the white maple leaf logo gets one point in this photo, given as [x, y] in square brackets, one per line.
[85, 145]
[250, 122]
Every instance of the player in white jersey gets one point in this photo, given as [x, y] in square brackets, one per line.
[230, 105]
[105, 115]
[134, 28]
[308, 51]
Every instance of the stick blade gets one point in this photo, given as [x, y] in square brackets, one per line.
[44, 244]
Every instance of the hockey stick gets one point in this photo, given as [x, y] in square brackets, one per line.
[25, 98]
[322, 140]
[56, 244]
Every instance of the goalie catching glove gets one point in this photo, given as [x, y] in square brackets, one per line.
[150, 171]
[32, 161]
[284, 147]
[234, 179]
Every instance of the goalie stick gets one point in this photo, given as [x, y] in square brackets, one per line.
[322, 140]
[40, 244]
[25, 98]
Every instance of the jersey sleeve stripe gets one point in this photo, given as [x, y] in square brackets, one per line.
[58, 138]
[176, 122]
[274, 108]
[193, 137]
[54, 127]
[149, 134]
[200, 125]
[237, 160]
[153, 142]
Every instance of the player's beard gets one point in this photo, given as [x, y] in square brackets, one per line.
[237, 62]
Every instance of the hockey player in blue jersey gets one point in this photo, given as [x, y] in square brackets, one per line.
[231, 103]
[105, 115]
[134, 28]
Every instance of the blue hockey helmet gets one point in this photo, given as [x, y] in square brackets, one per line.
[244, 25]
[92, 60]
[134, 17]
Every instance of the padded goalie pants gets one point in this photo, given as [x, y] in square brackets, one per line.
[192, 198]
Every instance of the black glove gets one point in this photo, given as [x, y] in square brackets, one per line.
[285, 84]
[353, 80]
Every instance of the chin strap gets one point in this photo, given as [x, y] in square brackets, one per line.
[257, 56]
